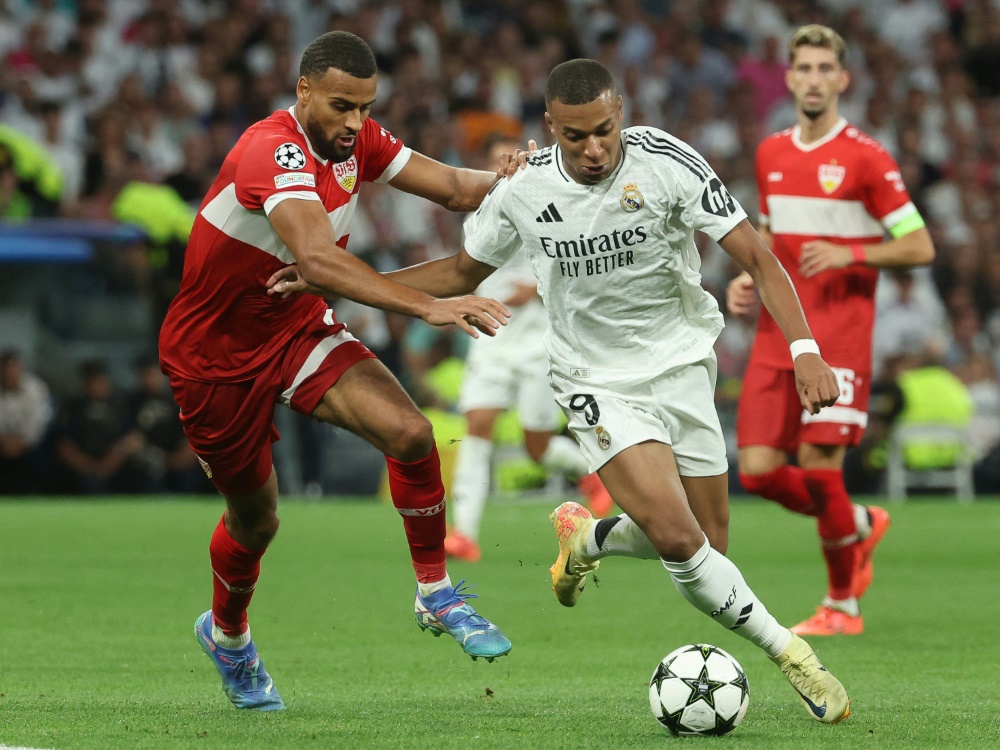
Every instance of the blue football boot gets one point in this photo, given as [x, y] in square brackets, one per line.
[244, 678]
[447, 611]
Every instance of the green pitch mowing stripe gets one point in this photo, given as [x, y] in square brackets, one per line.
[98, 598]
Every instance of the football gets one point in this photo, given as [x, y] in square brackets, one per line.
[699, 690]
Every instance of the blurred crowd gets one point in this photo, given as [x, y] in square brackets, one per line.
[125, 109]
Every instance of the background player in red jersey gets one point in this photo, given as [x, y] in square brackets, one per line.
[285, 194]
[827, 194]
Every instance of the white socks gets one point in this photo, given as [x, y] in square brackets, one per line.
[716, 587]
[563, 456]
[427, 589]
[471, 485]
[625, 539]
[229, 641]
[847, 606]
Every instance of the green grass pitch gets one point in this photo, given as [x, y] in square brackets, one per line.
[98, 599]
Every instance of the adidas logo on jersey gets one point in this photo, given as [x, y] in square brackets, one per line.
[550, 214]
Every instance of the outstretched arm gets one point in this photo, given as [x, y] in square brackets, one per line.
[446, 277]
[325, 268]
[816, 382]
[455, 189]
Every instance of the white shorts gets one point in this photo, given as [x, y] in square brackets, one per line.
[676, 408]
[502, 385]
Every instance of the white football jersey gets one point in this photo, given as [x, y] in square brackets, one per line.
[616, 262]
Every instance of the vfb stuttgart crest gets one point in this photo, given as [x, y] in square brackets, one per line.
[631, 199]
[346, 173]
[289, 156]
[831, 176]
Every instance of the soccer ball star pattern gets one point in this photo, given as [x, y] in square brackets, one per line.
[699, 690]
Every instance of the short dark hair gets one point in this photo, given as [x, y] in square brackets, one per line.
[578, 81]
[341, 50]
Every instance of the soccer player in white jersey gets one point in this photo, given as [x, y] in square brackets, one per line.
[630, 342]
[828, 194]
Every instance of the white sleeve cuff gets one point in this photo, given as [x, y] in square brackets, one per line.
[273, 200]
[396, 165]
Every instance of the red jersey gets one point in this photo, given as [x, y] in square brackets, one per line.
[844, 188]
[223, 326]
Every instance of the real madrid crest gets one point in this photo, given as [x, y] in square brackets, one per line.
[603, 436]
[631, 199]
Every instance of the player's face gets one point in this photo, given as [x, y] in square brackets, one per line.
[589, 136]
[816, 79]
[332, 109]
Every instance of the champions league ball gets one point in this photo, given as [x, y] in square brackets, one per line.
[699, 690]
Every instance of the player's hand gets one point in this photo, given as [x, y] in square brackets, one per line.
[815, 382]
[819, 255]
[740, 295]
[286, 281]
[510, 163]
[470, 313]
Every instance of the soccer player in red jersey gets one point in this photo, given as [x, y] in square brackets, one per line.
[828, 193]
[232, 350]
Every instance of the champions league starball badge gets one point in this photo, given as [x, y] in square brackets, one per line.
[289, 156]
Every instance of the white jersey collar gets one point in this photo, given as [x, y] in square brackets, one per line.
[833, 133]
[320, 159]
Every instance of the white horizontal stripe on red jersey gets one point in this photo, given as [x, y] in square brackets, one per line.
[313, 362]
[821, 217]
[339, 217]
[225, 213]
[253, 228]
[837, 415]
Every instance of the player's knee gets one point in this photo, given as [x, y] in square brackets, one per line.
[676, 543]
[412, 439]
[254, 529]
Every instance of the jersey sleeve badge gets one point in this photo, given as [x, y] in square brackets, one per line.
[289, 156]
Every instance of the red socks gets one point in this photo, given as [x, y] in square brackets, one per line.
[785, 485]
[235, 569]
[837, 529]
[418, 494]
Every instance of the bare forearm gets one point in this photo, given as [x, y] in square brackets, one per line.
[779, 297]
[340, 274]
[438, 278]
[910, 250]
[470, 186]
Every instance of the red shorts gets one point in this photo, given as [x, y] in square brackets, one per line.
[770, 413]
[231, 425]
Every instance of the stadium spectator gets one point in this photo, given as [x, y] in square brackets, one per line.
[630, 344]
[25, 412]
[826, 193]
[96, 445]
[233, 349]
